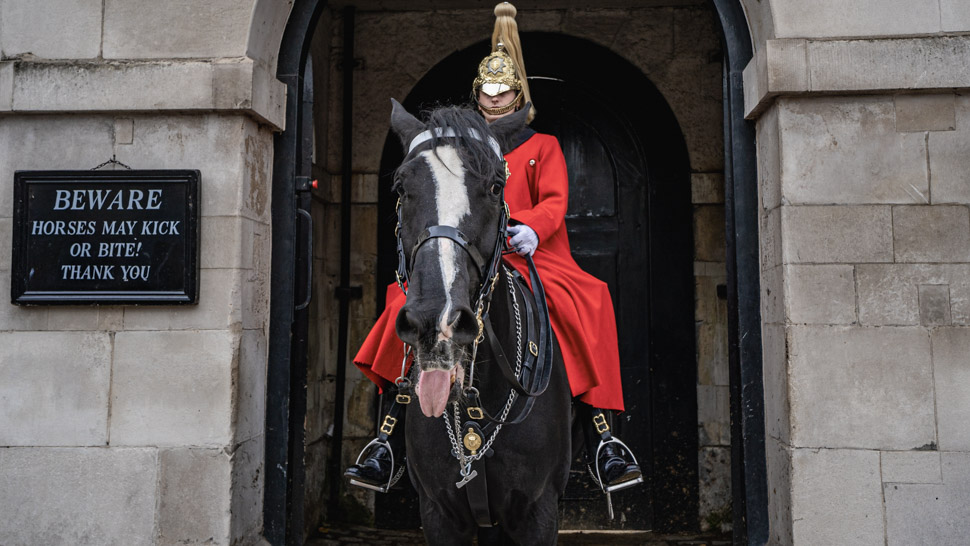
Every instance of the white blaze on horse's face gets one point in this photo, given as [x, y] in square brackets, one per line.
[451, 200]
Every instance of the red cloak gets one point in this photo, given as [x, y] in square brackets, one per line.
[580, 307]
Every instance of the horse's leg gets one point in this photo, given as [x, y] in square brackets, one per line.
[442, 528]
[533, 523]
[493, 536]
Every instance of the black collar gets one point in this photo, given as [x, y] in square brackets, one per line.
[520, 137]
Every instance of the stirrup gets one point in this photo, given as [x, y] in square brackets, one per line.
[599, 479]
[607, 489]
[392, 477]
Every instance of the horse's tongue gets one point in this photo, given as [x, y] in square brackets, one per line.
[433, 389]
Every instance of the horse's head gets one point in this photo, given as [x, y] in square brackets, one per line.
[452, 219]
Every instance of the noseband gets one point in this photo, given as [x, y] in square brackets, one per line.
[487, 270]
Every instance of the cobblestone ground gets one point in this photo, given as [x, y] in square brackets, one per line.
[385, 537]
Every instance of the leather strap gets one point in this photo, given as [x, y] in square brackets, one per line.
[477, 489]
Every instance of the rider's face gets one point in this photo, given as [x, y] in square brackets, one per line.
[502, 99]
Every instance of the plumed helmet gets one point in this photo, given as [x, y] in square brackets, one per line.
[503, 69]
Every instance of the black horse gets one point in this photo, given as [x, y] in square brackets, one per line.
[452, 223]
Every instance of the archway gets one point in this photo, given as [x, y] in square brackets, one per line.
[629, 222]
[284, 446]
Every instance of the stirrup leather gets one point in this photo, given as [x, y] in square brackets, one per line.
[392, 478]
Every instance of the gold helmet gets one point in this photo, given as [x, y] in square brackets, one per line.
[503, 69]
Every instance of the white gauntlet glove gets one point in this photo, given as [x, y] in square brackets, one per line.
[524, 239]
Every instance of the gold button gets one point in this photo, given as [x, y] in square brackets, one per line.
[532, 162]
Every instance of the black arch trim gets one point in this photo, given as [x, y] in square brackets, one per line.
[749, 483]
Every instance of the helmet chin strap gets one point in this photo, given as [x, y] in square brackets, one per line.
[499, 110]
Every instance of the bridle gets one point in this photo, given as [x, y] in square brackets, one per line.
[541, 352]
[488, 270]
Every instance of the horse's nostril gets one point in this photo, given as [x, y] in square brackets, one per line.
[408, 326]
[465, 326]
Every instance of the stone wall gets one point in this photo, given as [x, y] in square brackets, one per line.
[677, 48]
[127, 424]
[866, 302]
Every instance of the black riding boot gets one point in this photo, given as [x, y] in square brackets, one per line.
[384, 455]
[616, 467]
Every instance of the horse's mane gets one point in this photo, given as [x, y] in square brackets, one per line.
[478, 157]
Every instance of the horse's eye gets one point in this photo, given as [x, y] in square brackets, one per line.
[496, 189]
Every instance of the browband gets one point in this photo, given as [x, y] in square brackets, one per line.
[448, 132]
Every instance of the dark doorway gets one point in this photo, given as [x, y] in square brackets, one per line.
[629, 223]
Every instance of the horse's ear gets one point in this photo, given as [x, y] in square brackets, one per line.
[404, 124]
[505, 128]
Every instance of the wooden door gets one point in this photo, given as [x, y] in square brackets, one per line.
[607, 225]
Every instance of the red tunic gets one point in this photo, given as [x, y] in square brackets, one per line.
[580, 306]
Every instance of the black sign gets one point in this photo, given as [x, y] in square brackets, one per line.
[105, 237]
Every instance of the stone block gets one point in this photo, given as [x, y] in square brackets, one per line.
[111, 318]
[951, 368]
[837, 234]
[775, 365]
[173, 388]
[211, 143]
[692, 88]
[778, 459]
[81, 143]
[51, 29]
[219, 306]
[54, 388]
[772, 296]
[934, 305]
[949, 162]
[918, 113]
[917, 63]
[770, 239]
[786, 65]
[247, 491]
[250, 405]
[866, 388]
[194, 496]
[834, 152]
[820, 294]
[911, 467]
[931, 514]
[78, 496]
[836, 497]
[954, 15]
[226, 242]
[835, 18]
[714, 467]
[190, 29]
[14, 317]
[233, 85]
[707, 188]
[769, 159]
[709, 239]
[124, 131]
[713, 415]
[73, 318]
[255, 287]
[712, 359]
[938, 233]
[889, 293]
[6, 239]
[6, 85]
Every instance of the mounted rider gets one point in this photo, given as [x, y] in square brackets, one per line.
[580, 306]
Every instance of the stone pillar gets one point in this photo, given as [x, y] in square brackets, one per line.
[140, 424]
[865, 245]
